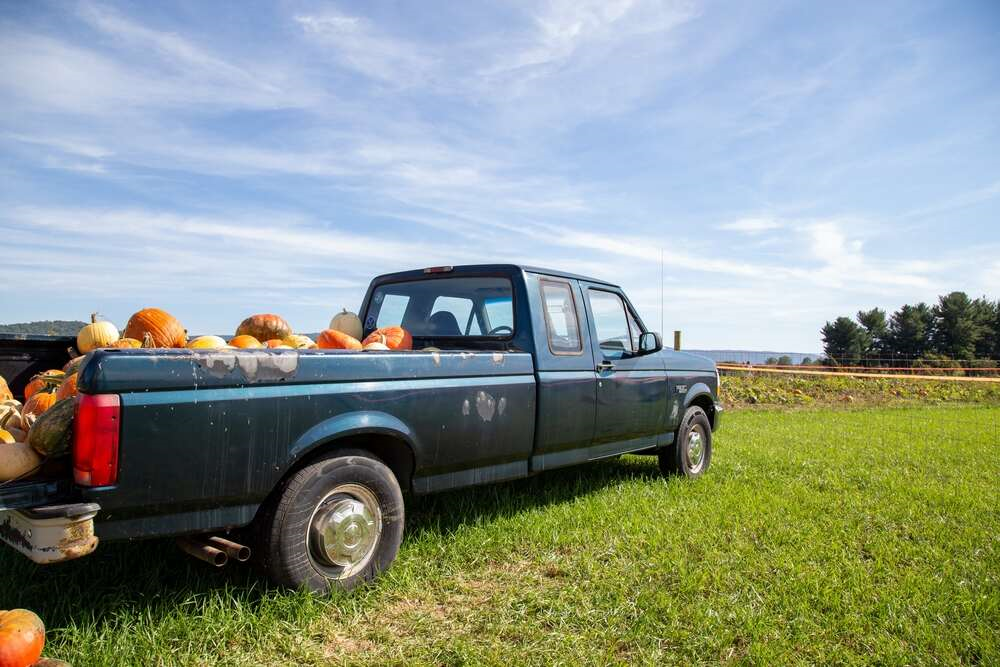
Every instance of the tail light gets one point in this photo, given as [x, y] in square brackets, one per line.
[95, 442]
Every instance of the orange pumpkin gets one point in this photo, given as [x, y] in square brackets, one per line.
[22, 638]
[331, 339]
[5, 394]
[395, 338]
[39, 402]
[163, 327]
[44, 381]
[245, 341]
[126, 344]
[68, 387]
[274, 342]
[264, 327]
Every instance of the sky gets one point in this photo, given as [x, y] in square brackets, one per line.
[779, 164]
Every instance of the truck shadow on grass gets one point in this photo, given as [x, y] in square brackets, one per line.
[154, 579]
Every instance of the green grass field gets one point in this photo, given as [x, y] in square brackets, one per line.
[828, 536]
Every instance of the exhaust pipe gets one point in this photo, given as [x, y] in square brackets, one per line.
[203, 551]
[233, 550]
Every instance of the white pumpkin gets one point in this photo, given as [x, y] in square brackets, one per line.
[16, 460]
[10, 414]
[347, 322]
[95, 335]
[375, 346]
[207, 343]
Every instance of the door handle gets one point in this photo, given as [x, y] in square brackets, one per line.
[605, 366]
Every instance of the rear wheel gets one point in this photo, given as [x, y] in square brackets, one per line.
[691, 452]
[337, 523]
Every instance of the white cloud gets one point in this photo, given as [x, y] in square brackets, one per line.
[362, 47]
[755, 225]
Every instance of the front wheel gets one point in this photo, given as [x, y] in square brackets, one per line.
[691, 452]
[337, 523]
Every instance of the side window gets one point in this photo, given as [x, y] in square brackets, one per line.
[560, 318]
[611, 322]
[452, 316]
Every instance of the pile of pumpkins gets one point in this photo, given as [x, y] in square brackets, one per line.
[42, 427]
[152, 327]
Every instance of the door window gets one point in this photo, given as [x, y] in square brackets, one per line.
[611, 322]
[560, 318]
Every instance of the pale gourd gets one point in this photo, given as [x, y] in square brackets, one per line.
[16, 460]
[347, 322]
[373, 346]
[10, 414]
[95, 335]
[207, 343]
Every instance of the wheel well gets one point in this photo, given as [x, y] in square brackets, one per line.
[392, 451]
[705, 402]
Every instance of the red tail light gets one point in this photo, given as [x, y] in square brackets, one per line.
[95, 443]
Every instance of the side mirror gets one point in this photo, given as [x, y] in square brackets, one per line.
[650, 342]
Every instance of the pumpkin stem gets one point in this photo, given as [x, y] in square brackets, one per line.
[147, 340]
[93, 318]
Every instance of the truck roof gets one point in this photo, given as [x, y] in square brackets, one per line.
[480, 268]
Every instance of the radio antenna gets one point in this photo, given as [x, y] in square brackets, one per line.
[661, 291]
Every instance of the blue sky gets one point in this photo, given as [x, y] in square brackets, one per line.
[791, 161]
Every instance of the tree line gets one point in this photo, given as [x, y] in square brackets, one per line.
[955, 329]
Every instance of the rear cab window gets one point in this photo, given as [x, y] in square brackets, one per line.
[454, 307]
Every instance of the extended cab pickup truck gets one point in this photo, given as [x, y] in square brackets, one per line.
[303, 455]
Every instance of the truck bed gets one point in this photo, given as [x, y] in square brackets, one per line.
[206, 435]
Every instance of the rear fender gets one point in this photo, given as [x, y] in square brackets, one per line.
[351, 424]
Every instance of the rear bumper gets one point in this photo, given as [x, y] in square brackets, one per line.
[52, 533]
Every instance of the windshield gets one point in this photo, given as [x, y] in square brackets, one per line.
[445, 307]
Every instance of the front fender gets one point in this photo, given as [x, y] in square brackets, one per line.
[696, 390]
[351, 423]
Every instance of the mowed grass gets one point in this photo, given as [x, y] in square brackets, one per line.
[865, 536]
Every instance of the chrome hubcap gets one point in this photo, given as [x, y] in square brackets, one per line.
[344, 529]
[696, 448]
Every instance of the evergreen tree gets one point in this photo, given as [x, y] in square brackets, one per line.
[877, 330]
[958, 326]
[844, 341]
[910, 331]
[987, 316]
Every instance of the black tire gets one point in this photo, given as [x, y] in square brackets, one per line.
[347, 490]
[677, 458]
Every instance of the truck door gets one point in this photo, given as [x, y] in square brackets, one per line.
[631, 388]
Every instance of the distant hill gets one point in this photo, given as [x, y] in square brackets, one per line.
[753, 356]
[47, 327]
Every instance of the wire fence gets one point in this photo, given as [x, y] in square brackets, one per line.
[932, 366]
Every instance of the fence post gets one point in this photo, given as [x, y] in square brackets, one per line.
[677, 340]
